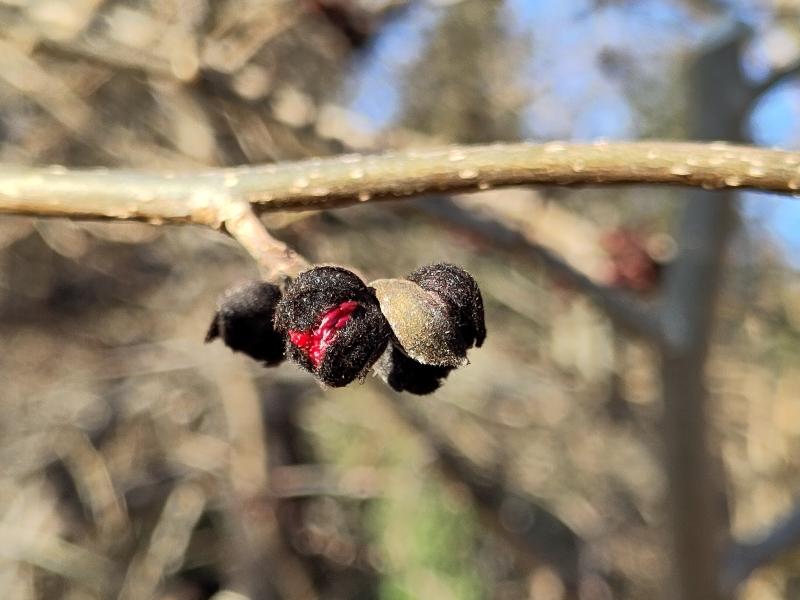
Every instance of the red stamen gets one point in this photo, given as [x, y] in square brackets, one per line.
[314, 342]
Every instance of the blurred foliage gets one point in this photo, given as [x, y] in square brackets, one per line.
[135, 460]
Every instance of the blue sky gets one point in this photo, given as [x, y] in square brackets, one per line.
[566, 37]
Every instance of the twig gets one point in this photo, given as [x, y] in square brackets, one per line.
[688, 312]
[776, 78]
[275, 259]
[745, 557]
[168, 543]
[201, 197]
[309, 480]
[249, 516]
[56, 555]
[93, 482]
[218, 198]
[258, 563]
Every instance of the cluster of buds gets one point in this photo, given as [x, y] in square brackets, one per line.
[411, 331]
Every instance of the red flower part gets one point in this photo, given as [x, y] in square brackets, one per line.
[314, 342]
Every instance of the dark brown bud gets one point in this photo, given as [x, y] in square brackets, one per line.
[332, 324]
[335, 326]
[244, 321]
[436, 314]
[404, 374]
[460, 291]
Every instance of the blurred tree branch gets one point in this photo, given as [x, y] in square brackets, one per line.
[776, 78]
[626, 311]
[696, 496]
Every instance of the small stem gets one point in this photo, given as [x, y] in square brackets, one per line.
[275, 259]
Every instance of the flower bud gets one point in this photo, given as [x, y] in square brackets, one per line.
[405, 374]
[436, 314]
[244, 321]
[333, 324]
[461, 293]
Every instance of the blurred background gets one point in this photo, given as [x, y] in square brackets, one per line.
[139, 463]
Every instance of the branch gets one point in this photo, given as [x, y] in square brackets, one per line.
[776, 78]
[623, 309]
[167, 546]
[202, 197]
[687, 314]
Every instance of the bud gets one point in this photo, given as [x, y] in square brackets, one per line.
[404, 374]
[244, 321]
[436, 314]
[460, 291]
[333, 324]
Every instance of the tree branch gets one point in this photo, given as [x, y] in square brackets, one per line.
[202, 197]
[776, 78]
[696, 498]
[626, 311]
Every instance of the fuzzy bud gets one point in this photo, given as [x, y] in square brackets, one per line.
[436, 314]
[244, 321]
[405, 374]
[461, 293]
[332, 324]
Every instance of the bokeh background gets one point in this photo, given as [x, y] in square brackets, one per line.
[137, 462]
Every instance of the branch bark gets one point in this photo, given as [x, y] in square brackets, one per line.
[204, 197]
[275, 259]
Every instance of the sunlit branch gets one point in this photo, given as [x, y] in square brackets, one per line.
[200, 197]
[275, 259]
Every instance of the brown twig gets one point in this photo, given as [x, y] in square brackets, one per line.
[776, 78]
[220, 197]
[168, 543]
[275, 259]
